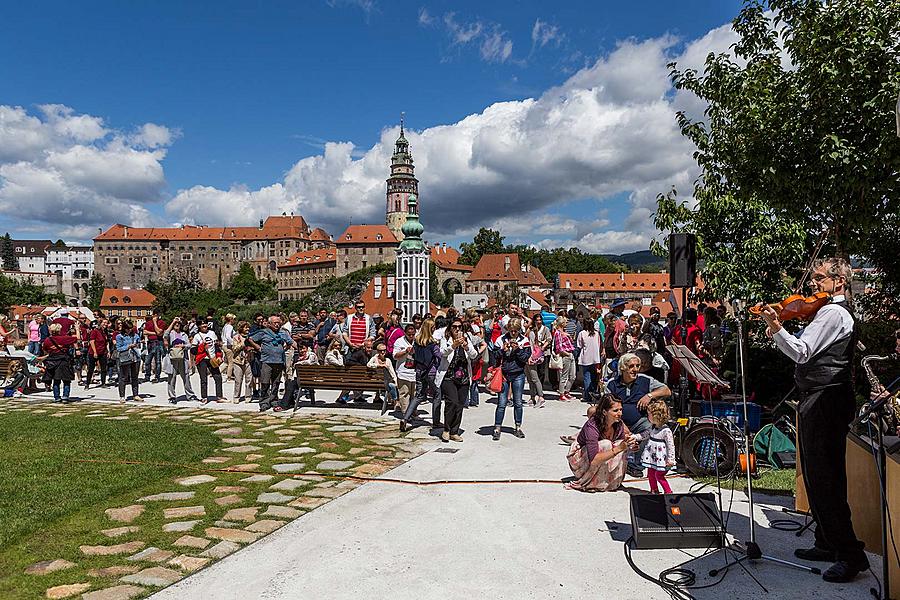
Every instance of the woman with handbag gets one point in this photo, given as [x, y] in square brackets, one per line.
[426, 355]
[208, 357]
[514, 354]
[590, 357]
[177, 344]
[128, 344]
[57, 359]
[454, 376]
[540, 339]
[563, 358]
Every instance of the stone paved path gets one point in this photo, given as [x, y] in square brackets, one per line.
[263, 475]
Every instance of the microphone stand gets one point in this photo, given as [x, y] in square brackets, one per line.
[751, 550]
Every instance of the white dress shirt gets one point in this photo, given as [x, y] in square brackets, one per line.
[831, 323]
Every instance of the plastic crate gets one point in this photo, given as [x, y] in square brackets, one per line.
[735, 412]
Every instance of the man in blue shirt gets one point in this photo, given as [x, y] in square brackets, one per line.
[270, 342]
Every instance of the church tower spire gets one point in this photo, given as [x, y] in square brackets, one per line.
[413, 272]
[401, 184]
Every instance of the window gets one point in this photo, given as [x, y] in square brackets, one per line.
[364, 251]
[111, 260]
[346, 265]
[381, 251]
[364, 264]
[187, 256]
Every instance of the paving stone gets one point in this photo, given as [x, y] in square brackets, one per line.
[273, 498]
[288, 485]
[228, 431]
[195, 480]
[168, 497]
[67, 591]
[119, 418]
[118, 592]
[232, 535]
[258, 478]
[246, 467]
[184, 511]
[215, 460]
[48, 566]
[328, 456]
[308, 503]
[282, 511]
[241, 449]
[389, 441]
[334, 465]
[264, 526]
[286, 432]
[252, 457]
[114, 571]
[191, 541]
[235, 441]
[288, 467]
[126, 548]
[297, 450]
[248, 514]
[355, 451]
[152, 554]
[220, 550]
[229, 500]
[177, 526]
[155, 576]
[225, 489]
[119, 531]
[328, 446]
[346, 428]
[188, 563]
[125, 514]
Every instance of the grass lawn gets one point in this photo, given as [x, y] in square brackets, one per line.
[777, 483]
[49, 502]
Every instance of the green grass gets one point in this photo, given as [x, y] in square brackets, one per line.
[49, 502]
[777, 483]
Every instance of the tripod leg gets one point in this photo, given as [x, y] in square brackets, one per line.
[729, 564]
[813, 570]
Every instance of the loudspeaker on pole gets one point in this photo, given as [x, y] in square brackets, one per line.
[682, 260]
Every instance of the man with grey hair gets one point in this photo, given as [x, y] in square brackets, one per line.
[636, 390]
[823, 352]
[270, 342]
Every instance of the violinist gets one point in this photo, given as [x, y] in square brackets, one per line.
[823, 353]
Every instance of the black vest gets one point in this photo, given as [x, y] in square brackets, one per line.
[831, 366]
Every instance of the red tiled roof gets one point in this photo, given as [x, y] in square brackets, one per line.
[273, 228]
[539, 298]
[310, 257]
[118, 298]
[366, 234]
[20, 311]
[493, 267]
[319, 235]
[447, 257]
[617, 282]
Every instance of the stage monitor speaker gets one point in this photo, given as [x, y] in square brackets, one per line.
[676, 521]
[682, 260]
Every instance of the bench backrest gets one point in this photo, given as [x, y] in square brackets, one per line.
[350, 377]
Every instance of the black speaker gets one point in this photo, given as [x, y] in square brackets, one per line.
[676, 521]
[682, 260]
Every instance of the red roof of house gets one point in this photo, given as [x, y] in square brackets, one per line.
[447, 257]
[366, 234]
[276, 227]
[310, 257]
[539, 298]
[617, 282]
[379, 297]
[319, 235]
[119, 297]
[21, 311]
[506, 267]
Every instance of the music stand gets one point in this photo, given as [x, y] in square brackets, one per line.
[694, 367]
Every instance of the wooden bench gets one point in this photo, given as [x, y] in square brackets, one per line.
[352, 378]
[6, 363]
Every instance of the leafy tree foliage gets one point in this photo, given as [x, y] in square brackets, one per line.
[437, 294]
[8, 253]
[95, 290]
[486, 241]
[247, 287]
[798, 136]
[339, 292]
[24, 292]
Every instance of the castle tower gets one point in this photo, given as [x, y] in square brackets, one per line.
[412, 291]
[400, 185]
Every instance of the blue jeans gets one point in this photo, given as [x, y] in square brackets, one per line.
[392, 391]
[34, 348]
[473, 394]
[424, 385]
[154, 358]
[518, 389]
[66, 388]
[589, 380]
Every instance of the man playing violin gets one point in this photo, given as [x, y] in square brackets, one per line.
[823, 353]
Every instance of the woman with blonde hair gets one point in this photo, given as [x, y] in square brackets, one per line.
[426, 357]
[565, 350]
[240, 362]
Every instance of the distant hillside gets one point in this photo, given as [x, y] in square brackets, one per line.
[643, 260]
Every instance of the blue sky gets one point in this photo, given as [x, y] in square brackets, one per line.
[243, 96]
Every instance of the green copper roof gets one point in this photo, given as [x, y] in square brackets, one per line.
[412, 229]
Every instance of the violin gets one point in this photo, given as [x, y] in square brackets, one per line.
[797, 306]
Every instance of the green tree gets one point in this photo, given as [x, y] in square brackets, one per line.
[799, 131]
[8, 252]
[96, 286]
[437, 294]
[24, 292]
[246, 286]
[339, 292]
[486, 241]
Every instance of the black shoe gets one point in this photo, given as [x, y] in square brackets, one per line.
[264, 407]
[815, 554]
[402, 426]
[496, 435]
[519, 434]
[634, 472]
[843, 571]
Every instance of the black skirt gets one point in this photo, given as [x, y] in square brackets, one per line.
[59, 368]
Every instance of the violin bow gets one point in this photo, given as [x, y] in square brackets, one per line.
[812, 259]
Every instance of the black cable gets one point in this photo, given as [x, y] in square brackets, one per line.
[674, 592]
[785, 524]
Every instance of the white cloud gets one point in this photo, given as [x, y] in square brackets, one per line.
[462, 33]
[70, 169]
[544, 33]
[425, 17]
[492, 41]
[495, 47]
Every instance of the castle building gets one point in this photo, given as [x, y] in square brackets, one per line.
[400, 185]
[412, 291]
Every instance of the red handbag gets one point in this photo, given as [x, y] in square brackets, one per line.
[495, 384]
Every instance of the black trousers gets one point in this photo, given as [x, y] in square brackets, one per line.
[825, 415]
[128, 374]
[455, 396]
[92, 363]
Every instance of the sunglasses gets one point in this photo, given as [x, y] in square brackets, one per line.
[360, 308]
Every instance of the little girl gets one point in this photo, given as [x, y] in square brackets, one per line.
[659, 453]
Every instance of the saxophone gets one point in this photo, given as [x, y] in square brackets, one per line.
[891, 421]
